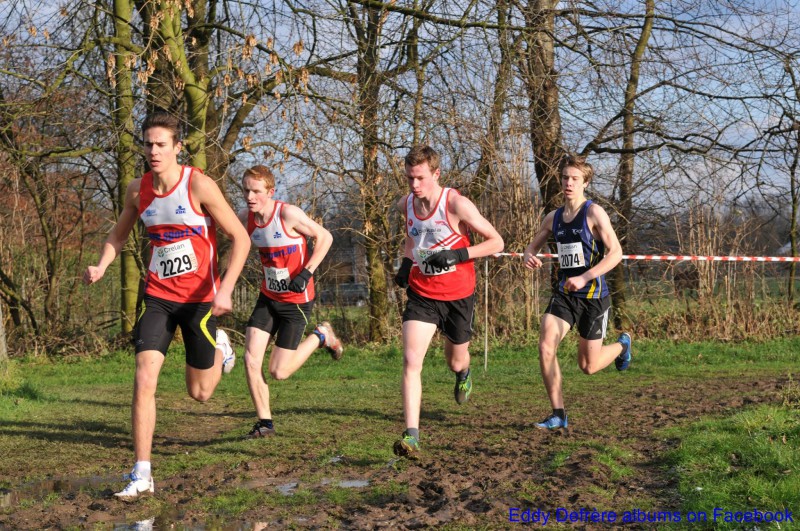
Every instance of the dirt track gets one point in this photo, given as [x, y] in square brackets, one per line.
[474, 481]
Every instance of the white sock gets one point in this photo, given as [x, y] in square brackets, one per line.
[142, 469]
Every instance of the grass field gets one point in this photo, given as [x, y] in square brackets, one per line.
[690, 428]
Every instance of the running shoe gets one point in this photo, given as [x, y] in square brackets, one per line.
[137, 487]
[332, 343]
[622, 361]
[228, 355]
[407, 447]
[260, 431]
[463, 389]
[553, 422]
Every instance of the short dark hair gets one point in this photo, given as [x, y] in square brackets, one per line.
[164, 120]
[421, 154]
[579, 162]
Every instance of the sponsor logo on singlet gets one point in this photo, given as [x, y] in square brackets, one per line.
[180, 210]
[279, 253]
[172, 235]
[429, 230]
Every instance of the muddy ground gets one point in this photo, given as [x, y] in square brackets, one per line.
[471, 482]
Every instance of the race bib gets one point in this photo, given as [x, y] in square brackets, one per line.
[570, 255]
[174, 259]
[277, 279]
[421, 256]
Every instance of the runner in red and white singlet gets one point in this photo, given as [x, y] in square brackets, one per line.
[279, 231]
[439, 273]
[283, 256]
[180, 206]
[183, 265]
[431, 235]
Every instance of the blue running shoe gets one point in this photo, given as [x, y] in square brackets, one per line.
[553, 422]
[622, 361]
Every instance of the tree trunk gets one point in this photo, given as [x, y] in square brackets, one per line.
[490, 146]
[542, 88]
[126, 160]
[369, 84]
[626, 166]
[794, 193]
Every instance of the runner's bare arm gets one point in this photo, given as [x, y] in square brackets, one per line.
[297, 220]
[465, 211]
[400, 205]
[529, 257]
[600, 225]
[118, 236]
[206, 192]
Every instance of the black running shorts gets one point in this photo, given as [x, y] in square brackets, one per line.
[285, 321]
[159, 319]
[453, 318]
[590, 314]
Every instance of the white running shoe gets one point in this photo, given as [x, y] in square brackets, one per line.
[135, 488]
[228, 355]
[332, 343]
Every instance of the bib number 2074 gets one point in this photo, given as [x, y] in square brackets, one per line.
[570, 255]
[570, 260]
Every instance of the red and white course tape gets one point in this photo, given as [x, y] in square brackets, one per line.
[684, 257]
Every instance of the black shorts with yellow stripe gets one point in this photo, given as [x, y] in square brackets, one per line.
[285, 321]
[159, 319]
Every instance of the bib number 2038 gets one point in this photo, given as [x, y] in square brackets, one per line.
[277, 285]
[277, 279]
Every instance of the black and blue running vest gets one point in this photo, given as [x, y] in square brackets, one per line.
[578, 251]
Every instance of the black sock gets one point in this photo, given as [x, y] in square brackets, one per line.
[267, 423]
[463, 375]
[560, 413]
[414, 432]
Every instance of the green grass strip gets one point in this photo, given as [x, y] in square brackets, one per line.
[744, 463]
